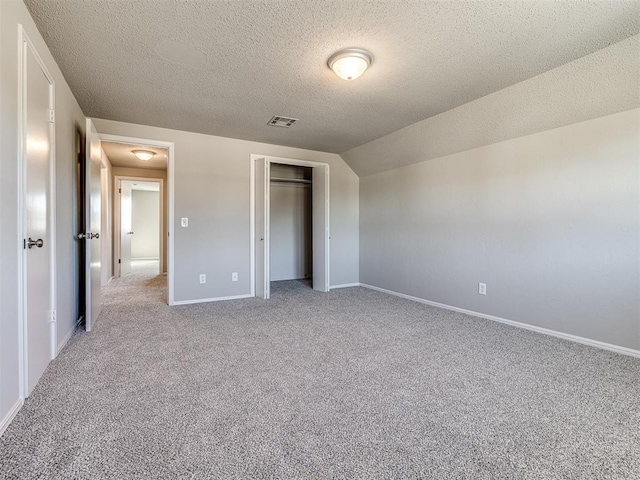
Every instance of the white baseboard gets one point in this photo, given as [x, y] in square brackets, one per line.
[344, 285]
[216, 299]
[566, 336]
[62, 344]
[11, 414]
[145, 259]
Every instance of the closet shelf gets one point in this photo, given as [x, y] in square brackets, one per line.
[289, 180]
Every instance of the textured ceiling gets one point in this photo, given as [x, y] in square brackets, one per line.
[599, 84]
[241, 62]
[119, 154]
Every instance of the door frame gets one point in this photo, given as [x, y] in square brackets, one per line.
[25, 45]
[117, 212]
[252, 200]
[170, 146]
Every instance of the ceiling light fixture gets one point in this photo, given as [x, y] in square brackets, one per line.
[350, 63]
[143, 154]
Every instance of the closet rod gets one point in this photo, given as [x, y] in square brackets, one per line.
[289, 180]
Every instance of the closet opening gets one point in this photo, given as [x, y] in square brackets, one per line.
[291, 224]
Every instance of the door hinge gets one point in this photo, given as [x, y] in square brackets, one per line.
[24, 243]
[119, 260]
[119, 190]
[52, 116]
[52, 316]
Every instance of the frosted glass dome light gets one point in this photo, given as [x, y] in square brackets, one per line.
[350, 63]
[143, 154]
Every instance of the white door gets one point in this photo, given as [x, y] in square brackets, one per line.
[125, 228]
[93, 271]
[262, 174]
[37, 242]
[320, 219]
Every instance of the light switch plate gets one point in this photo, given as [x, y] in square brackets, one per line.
[184, 222]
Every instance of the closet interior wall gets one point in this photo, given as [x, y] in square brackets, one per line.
[291, 237]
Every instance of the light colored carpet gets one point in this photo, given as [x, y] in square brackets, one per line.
[351, 384]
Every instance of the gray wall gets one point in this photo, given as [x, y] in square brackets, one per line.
[68, 118]
[549, 221]
[145, 219]
[212, 189]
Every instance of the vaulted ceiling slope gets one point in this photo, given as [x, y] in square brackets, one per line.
[599, 84]
[226, 67]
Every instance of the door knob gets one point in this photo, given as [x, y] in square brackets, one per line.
[82, 236]
[94, 235]
[35, 243]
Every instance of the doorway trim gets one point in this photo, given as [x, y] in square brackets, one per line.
[26, 44]
[170, 146]
[252, 214]
[117, 214]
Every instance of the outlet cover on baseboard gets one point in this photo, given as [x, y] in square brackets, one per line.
[203, 278]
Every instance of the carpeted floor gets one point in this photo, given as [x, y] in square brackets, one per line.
[351, 384]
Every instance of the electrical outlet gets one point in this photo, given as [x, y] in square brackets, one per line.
[234, 277]
[203, 278]
[184, 222]
[482, 288]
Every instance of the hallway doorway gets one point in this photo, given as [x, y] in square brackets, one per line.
[139, 190]
[138, 224]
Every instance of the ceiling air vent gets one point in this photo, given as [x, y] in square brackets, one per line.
[278, 121]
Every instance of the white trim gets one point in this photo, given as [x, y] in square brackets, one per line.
[107, 137]
[11, 414]
[292, 161]
[215, 299]
[170, 205]
[66, 340]
[53, 325]
[252, 210]
[345, 285]
[252, 222]
[546, 331]
[22, 129]
[267, 230]
[170, 146]
[327, 211]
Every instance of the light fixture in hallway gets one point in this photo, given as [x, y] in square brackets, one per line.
[143, 154]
